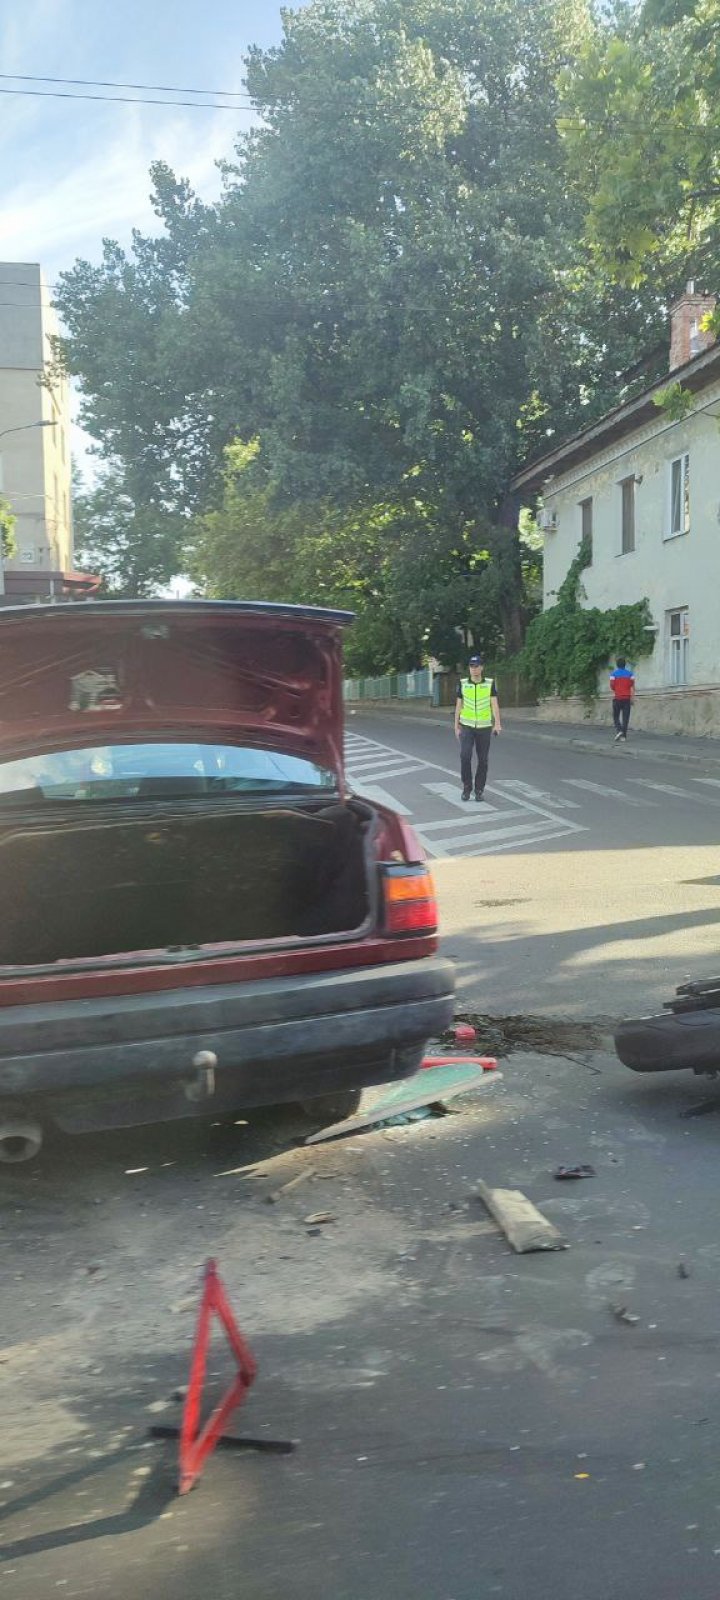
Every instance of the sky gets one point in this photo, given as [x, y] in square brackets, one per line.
[74, 171]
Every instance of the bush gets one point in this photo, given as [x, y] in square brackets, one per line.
[569, 645]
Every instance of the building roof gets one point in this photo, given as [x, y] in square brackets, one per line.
[625, 419]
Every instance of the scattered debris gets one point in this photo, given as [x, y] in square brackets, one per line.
[702, 1108]
[621, 1314]
[525, 1228]
[582, 1171]
[550, 1036]
[319, 1219]
[683, 1270]
[292, 1183]
[418, 1114]
[438, 1080]
[463, 1033]
[431, 1061]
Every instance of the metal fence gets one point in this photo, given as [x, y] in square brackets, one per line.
[393, 686]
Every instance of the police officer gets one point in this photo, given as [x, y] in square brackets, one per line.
[477, 717]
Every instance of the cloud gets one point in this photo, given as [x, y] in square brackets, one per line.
[56, 217]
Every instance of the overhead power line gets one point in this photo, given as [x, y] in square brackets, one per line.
[125, 100]
[102, 83]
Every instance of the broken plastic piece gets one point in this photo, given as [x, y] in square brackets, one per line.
[582, 1171]
[440, 1079]
[464, 1033]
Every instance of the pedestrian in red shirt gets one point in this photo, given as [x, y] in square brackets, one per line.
[622, 688]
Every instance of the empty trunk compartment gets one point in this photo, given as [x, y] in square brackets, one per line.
[173, 875]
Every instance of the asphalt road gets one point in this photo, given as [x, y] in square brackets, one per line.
[586, 884]
[469, 1423]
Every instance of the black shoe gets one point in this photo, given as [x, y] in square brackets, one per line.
[465, 794]
[479, 794]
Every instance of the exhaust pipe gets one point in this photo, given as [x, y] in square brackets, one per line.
[19, 1141]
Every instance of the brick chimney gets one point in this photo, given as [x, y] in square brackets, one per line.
[687, 338]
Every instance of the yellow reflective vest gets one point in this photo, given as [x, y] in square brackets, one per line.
[476, 709]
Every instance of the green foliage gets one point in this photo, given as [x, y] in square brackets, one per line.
[8, 543]
[569, 645]
[674, 401]
[394, 299]
[416, 589]
[256, 547]
[641, 121]
[136, 549]
[390, 297]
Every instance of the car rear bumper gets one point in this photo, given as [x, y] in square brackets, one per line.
[130, 1060]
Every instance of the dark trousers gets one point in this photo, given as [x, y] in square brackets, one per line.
[478, 740]
[621, 716]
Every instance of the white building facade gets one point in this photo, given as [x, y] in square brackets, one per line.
[645, 490]
[35, 466]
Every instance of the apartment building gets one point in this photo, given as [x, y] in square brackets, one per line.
[35, 466]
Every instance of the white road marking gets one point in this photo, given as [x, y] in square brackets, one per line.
[677, 794]
[382, 798]
[468, 821]
[448, 793]
[375, 771]
[609, 794]
[377, 759]
[490, 843]
[520, 820]
[559, 802]
[715, 782]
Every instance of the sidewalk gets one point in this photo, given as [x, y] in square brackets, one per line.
[670, 747]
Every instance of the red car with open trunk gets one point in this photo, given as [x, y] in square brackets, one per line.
[196, 915]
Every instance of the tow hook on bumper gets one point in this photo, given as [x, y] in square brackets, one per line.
[202, 1085]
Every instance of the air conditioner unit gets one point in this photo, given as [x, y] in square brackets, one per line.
[548, 521]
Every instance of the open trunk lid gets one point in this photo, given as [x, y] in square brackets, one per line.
[251, 673]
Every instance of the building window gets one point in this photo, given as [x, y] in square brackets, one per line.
[586, 525]
[678, 641]
[679, 507]
[627, 490]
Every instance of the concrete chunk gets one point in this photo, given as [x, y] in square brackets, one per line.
[525, 1227]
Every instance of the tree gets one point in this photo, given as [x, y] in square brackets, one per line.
[390, 298]
[642, 128]
[253, 547]
[135, 549]
[8, 545]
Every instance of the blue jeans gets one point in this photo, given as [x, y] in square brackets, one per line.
[477, 740]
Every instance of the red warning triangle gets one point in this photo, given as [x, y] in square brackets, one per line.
[196, 1442]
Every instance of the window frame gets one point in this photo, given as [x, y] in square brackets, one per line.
[627, 504]
[586, 516]
[682, 462]
[677, 647]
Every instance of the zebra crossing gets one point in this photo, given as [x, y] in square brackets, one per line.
[514, 814]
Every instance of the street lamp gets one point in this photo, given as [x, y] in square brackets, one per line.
[23, 428]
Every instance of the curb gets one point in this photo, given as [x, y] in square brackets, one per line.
[587, 746]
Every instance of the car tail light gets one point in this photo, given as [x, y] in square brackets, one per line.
[409, 900]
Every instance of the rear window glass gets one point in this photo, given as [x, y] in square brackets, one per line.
[147, 771]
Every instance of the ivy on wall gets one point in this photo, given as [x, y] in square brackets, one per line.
[568, 646]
